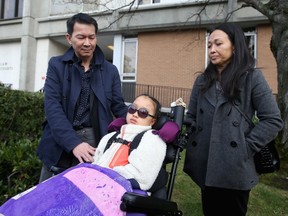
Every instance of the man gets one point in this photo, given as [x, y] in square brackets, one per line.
[82, 95]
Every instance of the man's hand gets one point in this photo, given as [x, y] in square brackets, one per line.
[84, 152]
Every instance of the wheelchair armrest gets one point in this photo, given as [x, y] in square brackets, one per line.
[132, 202]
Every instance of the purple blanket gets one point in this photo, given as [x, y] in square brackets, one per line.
[82, 190]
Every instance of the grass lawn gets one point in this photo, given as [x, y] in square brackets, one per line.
[268, 198]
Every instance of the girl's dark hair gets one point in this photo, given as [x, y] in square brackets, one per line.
[80, 18]
[241, 62]
[156, 103]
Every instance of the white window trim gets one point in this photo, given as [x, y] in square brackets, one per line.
[122, 60]
[255, 42]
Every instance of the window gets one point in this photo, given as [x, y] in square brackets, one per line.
[129, 59]
[142, 2]
[251, 42]
[11, 9]
[146, 2]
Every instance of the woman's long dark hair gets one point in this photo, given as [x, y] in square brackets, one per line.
[241, 62]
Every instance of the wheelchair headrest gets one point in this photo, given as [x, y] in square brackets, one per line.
[160, 122]
[168, 132]
[116, 124]
[165, 128]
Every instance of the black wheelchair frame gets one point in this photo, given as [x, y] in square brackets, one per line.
[151, 205]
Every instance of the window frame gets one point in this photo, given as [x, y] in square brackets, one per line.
[16, 8]
[131, 77]
[140, 2]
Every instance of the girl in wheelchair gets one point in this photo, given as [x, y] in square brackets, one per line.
[118, 167]
[142, 165]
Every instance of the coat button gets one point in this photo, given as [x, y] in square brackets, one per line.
[233, 144]
[235, 123]
[194, 143]
[201, 110]
[200, 128]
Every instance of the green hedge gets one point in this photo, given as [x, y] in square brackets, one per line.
[21, 117]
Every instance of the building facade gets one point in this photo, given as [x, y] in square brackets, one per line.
[158, 46]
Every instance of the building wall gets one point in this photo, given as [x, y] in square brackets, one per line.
[170, 58]
[45, 50]
[265, 58]
[173, 58]
[10, 55]
[171, 48]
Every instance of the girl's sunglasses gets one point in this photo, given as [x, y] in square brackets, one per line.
[142, 112]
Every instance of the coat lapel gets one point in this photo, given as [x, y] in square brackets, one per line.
[75, 85]
[221, 100]
[220, 103]
[98, 87]
[210, 95]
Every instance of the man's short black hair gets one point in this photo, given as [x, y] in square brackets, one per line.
[83, 19]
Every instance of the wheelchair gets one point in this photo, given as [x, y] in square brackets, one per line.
[66, 190]
[161, 205]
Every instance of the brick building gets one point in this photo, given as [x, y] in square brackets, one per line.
[157, 46]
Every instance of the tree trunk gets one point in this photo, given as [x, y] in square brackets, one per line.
[277, 13]
[279, 48]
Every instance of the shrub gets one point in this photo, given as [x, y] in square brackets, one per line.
[21, 117]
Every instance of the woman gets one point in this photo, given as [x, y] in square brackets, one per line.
[96, 189]
[219, 156]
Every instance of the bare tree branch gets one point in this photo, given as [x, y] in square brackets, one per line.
[116, 10]
[262, 8]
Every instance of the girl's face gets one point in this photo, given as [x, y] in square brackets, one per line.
[220, 49]
[145, 113]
